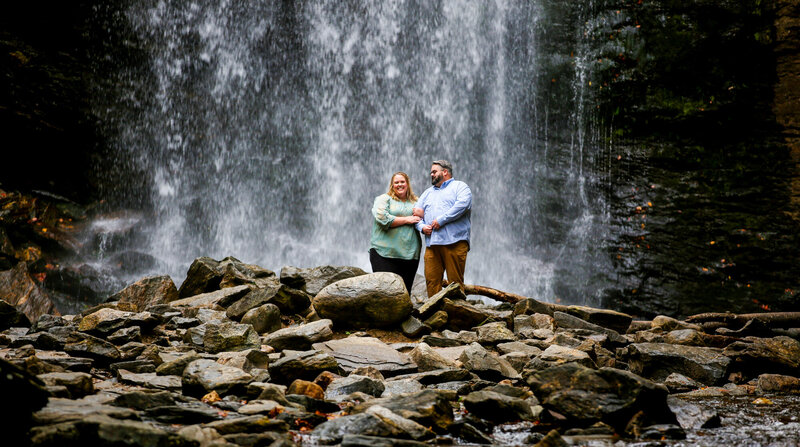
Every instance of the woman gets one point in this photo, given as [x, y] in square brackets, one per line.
[395, 242]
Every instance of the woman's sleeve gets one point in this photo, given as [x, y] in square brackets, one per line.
[380, 211]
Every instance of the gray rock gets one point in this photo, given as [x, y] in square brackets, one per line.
[777, 383]
[568, 321]
[216, 300]
[104, 430]
[108, 320]
[332, 431]
[246, 360]
[377, 441]
[658, 360]
[224, 336]
[497, 407]
[202, 376]
[494, 333]
[176, 366]
[486, 364]
[287, 299]
[344, 386]
[436, 302]
[207, 275]
[373, 300]
[438, 376]
[430, 408]
[264, 319]
[517, 346]
[692, 416]
[142, 400]
[556, 355]
[126, 335]
[146, 292]
[462, 315]
[678, 383]
[248, 424]
[305, 365]
[687, 337]
[413, 327]
[312, 280]
[355, 352]
[77, 383]
[754, 356]
[428, 359]
[401, 386]
[410, 428]
[150, 380]
[85, 345]
[663, 323]
[613, 396]
[301, 337]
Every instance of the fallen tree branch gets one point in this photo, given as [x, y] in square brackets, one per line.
[498, 295]
[776, 319]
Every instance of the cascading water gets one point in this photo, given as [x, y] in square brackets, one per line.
[263, 130]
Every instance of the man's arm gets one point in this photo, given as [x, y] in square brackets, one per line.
[419, 211]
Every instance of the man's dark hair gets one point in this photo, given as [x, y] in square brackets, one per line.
[444, 164]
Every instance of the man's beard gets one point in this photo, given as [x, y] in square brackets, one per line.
[436, 179]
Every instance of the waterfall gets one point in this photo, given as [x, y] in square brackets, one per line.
[263, 130]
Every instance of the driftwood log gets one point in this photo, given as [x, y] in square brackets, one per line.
[771, 319]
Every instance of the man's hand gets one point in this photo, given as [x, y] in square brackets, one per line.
[427, 229]
[419, 212]
[435, 225]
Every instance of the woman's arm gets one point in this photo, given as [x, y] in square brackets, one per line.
[404, 220]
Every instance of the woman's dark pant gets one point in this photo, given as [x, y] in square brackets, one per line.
[406, 268]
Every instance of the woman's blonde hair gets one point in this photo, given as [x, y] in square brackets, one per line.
[409, 196]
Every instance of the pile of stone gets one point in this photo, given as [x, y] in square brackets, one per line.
[332, 355]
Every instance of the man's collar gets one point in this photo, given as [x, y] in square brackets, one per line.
[444, 183]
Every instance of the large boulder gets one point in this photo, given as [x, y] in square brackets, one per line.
[754, 356]
[373, 300]
[610, 395]
[288, 300]
[657, 361]
[147, 292]
[312, 280]
[207, 275]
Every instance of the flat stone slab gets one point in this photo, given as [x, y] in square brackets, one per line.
[357, 352]
[150, 380]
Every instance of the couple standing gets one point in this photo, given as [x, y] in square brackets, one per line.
[441, 213]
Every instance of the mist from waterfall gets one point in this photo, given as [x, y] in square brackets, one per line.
[263, 130]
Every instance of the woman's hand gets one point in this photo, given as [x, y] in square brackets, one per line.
[411, 220]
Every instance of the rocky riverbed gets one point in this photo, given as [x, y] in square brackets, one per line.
[239, 355]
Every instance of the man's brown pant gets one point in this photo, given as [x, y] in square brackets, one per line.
[445, 258]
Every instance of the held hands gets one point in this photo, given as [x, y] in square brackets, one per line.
[427, 229]
[435, 225]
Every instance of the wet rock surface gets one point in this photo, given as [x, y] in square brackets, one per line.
[157, 369]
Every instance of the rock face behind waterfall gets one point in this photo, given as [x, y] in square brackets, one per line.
[373, 300]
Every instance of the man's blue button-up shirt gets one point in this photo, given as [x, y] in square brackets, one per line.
[450, 205]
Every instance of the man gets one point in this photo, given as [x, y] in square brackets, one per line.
[445, 210]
